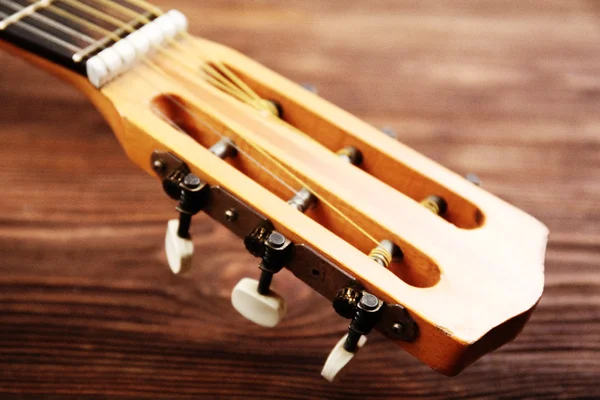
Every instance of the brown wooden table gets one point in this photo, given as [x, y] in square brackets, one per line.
[88, 309]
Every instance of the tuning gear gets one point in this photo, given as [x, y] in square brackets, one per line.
[366, 315]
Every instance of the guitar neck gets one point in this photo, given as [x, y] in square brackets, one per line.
[75, 35]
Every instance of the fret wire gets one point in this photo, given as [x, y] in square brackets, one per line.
[50, 22]
[19, 15]
[42, 34]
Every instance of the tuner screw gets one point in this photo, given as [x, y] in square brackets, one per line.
[273, 261]
[186, 207]
[158, 166]
[230, 215]
[397, 328]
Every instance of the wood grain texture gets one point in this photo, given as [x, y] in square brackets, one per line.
[88, 308]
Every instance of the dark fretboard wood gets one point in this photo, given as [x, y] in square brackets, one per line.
[58, 38]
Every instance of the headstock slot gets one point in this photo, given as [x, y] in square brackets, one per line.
[416, 268]
[381, 165]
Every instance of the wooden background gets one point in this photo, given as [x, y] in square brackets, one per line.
[507, 89]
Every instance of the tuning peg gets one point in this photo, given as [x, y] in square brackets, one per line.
[365, 317]
[178, 243]
[363, 308]
[179, 184]
[253, 299]
[339, 357]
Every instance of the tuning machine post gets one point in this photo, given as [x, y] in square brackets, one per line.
[364, 310]
[254, 299]
[178, 242]
[191, 193]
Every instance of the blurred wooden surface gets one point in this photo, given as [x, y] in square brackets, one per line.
[88, 308]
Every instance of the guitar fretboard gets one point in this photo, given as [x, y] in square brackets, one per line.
[69, 32]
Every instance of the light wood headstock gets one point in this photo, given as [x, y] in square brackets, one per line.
[468, 279]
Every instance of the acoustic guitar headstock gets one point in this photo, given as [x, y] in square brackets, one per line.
[395, 241]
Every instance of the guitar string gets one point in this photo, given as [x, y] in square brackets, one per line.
[222, 67]
[25, 12]
[158, 69]
[257, 148]
[36, 31]
[128, 27]
[49, 21]
[108, 34]
[214, 76]
[224, 84]
[273, 160]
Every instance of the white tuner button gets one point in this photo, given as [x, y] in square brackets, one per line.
[265, 310]
[339, 358]
[179, 250]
